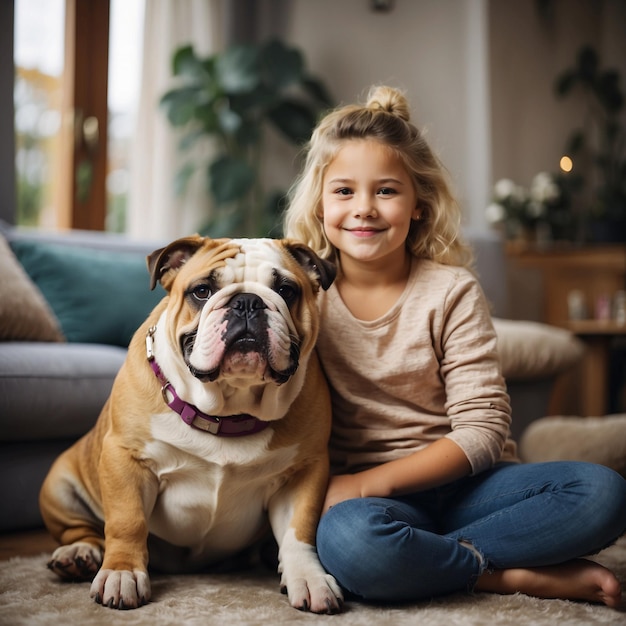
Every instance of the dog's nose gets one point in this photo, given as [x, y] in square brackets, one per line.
[246, 304]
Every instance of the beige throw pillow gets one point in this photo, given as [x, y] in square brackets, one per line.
[568, 438]
[24, 313]
[533, 350]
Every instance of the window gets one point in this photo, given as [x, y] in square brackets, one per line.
[76, 90]
[38, 76]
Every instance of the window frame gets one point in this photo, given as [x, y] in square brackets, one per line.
[85, 115]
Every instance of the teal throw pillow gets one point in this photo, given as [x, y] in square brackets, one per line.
[98, 296]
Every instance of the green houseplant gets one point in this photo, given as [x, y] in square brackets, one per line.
[598, 146]
[228, 99]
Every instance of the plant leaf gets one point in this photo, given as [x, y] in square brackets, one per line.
[237, 69]
[587, 64]
[186, 63]
[294, 119]
[230, 178]
[565, 82]
[179, 104]
[576, 142]
[229, 121]
[253, 103]
[281, 66]
[207, 117]
[608, 91]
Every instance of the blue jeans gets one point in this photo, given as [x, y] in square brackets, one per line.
[440, 541]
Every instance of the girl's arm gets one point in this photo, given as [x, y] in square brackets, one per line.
[439, 463]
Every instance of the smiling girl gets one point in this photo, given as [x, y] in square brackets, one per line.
[427, 495]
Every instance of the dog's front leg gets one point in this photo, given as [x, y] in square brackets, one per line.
[128, 494]
[294, 514]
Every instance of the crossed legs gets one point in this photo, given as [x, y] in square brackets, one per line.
[512, 528]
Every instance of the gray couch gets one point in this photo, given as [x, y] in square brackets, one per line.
[51, 392]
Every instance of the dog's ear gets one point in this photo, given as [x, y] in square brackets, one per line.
[165, 262]
[324, 270]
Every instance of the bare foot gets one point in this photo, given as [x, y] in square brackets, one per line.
[575, 580]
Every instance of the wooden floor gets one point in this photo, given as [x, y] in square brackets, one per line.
[30, 543]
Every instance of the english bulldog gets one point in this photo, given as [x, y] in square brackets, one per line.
[217, 424]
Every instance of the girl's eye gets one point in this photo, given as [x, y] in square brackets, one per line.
[344, 191]
[386, 191]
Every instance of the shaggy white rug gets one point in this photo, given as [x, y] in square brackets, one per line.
[30, 595]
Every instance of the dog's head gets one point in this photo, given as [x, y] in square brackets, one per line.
[241, 320]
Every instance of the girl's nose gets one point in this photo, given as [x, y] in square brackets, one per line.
[366, 208]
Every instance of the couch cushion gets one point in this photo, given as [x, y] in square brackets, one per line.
[565, 438]
[98, 296]
[54, 390]
[23, 467]
[531, 350]
[24, 312]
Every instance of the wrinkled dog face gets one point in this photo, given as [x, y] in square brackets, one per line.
[244, 327]
[245, 308]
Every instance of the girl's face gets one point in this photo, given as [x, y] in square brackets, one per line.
[369, 200]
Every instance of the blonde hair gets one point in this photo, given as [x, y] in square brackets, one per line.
[384, 118]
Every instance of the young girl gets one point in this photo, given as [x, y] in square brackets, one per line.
[427, 496]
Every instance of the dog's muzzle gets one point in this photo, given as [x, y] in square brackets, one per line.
[248, 345]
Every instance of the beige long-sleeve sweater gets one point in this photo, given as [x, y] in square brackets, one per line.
[427, 369]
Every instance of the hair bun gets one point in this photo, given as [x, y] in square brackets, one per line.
[390, 100]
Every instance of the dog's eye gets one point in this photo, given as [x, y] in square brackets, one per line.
[201, 292]
[287, 292]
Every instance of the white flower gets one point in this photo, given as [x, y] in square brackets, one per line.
[495, 213]
[504, 189]
[542, 178]
[544, 189]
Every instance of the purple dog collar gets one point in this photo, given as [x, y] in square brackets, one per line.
[228, 426]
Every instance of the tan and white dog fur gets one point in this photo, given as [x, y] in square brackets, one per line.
[235, 334]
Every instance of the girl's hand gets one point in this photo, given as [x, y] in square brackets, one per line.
[437, 464]
[340, 488]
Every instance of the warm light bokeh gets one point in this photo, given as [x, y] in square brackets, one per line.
[566, 164]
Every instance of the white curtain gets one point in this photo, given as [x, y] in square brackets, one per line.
[154, 210]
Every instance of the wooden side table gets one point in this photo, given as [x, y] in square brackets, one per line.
[594, 270]
[597, 272]
[598, 335]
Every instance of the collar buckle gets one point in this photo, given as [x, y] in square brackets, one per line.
[150, 343]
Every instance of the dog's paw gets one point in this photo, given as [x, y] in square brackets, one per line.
[77, 561]
[318, 594]
[308, 586]
[121, 589]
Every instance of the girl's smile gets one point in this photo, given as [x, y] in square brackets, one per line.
[364, 231]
